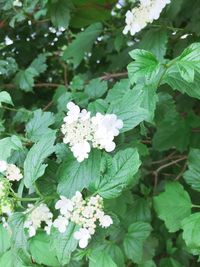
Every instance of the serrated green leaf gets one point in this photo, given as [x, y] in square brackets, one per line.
[134, 240]
[144, 65]
[34, 166]
[173, 205]
[25, 79]
[7, 145]
[39, 63]
[74, 176]
[60, 13]
[192, 176]
[41, 250]
[101, 258]
[189, 62]
[129, 109]
[64, 243]
[125, 165]
[39, 125]
[4, 240]
[191, 232]
[96, 88]
[75, 52]
[156, 45]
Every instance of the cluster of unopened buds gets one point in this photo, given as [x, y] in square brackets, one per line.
[146, 12]
[8, 173]
[81, 131]
[87, 214]
[36, 215]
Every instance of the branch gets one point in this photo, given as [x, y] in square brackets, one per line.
[109, 76]
[156, 172]
[39, 85]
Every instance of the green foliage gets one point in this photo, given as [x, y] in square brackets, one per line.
[134, 240]
[57, 51]
[173, 206]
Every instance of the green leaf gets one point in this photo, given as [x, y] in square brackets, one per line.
[145, 65]
[156, 45]
[4, 240]
[192, 176]
[18, 238]
[169, 262]
[134, 240]
[75, 52]
[115, 253]
[96, 88]
[191, 232]
[25, 79]
[39, 63]
[39, 125]
[172, 132]
[125, 165]
[92, 11]
[41, 250]
[33, 165]
[74, 176]
[64, 243]
[174, 79]
[5, 98]
[129, 110]
[118, 90]
[7, 145]
[60, 13]
[189, 62]
[173, 205]
[100, 258]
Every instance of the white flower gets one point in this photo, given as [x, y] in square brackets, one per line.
[73, 113]
[36, 216]
[83, 236]
[145, 13]
[61, 223]
[3, 165]
[105, 221]
[81, 131]
[81, 150]
[13, 173]
[64, 205]
[107, 127]
[17, 3]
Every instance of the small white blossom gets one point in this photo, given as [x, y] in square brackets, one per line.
[105, 221]
[83, 236]
[37, 215]
[13, 173]
[3, 165]
[61, 223]
[64, 205]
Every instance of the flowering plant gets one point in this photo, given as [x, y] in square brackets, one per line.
[99, 133]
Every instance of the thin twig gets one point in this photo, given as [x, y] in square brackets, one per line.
[39, 85]
[182, 172]
[109, 76]
[156, 172]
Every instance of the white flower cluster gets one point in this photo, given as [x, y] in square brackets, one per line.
[85, 213]
[6, 203]
[81, 131]
[10, 171]
[145, 13]
[37, 215]
[17, 3]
